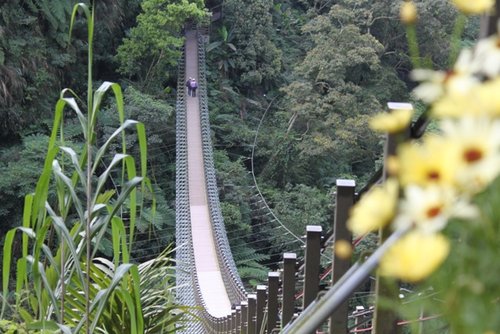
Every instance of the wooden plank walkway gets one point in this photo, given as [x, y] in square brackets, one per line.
[207, 267]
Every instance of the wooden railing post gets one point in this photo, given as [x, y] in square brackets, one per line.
[311, 264]
[489, 22]
[244, 317]
[233, 322]
[237, 325]
[226, 324]
[220, 325]
[261, 305]
[272, 301]
[288, 288]
[344, 201]
[252, 305]
[385, 320]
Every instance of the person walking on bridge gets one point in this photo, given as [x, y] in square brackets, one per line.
[188, 85]
[193, 85]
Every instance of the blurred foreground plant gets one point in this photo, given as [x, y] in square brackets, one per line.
[445, 190]
[61, 283]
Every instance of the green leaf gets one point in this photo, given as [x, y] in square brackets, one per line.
[102, 150]
[102, 296]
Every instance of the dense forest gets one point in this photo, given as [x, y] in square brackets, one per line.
[292, 84]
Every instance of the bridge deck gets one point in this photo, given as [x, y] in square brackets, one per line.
[207, 267]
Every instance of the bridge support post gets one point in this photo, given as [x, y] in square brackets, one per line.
[261, 305]
[219, 326]
[385, 320]
[343, 203]
[288, 289]
[272, 301]
[232, 330]
[311, 264]
[237, 325]
[252, 305]
[224, 325]
[228, 324]
[244, 317]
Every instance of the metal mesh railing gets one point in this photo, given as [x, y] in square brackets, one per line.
[188, 291]
[230, 274]
[186, 295]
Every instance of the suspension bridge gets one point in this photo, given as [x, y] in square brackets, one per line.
[206, 272]
[207, 278]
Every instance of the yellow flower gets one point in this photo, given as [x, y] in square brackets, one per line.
[343, 249]
[428, 163]
[474, 6]
[478, 143]
[375, 209]
[434, 84]
[487, 56]
[415, 256]
[429, 209]
[480, 100]
[489, 97]
[392, 122]
[408, 12]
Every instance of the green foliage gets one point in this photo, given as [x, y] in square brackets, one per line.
[464, 290]
[258, 60]
[234, 190]
[223, 51]
[60, 281]
[298, 206]
[151, 49]
[18, 174]
[336, 90]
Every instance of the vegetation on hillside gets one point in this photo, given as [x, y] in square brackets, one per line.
[309, 72]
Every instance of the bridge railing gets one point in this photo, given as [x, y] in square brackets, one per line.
[230, 274]
[274, 307]
[188, 293]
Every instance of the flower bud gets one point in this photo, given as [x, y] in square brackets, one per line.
[472, 7]
[343, 249]
[408, 12]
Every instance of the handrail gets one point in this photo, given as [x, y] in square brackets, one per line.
[188, 286]
[184, 251]
[231, 277]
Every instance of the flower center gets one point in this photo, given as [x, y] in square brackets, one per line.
[448, 75]
[433, 212]
[472, 155]
[433, 175]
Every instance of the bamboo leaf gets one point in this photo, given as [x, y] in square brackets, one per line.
[102, 296]
[48, 325]
[72, 103]
[136, 282]
[48, 288]
[41, 190]
[76, 164]
[28, 203]
[127, 189]
[102, 150]
[67, 181]
[141, 136]
[131, 308]
[65, 235]
[131, 173]
[7, 258]
[117, 158]
[99, 94]
[21, 278]
[119, 241]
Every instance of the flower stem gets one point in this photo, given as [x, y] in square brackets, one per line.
[411, 37]
[455, 43]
